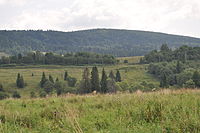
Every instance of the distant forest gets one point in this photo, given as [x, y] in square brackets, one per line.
[48, 58]
[103, 41]
[177, 68]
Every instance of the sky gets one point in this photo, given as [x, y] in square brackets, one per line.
[180, 17]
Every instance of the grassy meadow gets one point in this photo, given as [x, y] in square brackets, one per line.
[131, 74]
[154, 112]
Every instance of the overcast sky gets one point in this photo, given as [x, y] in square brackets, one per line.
[169, 16]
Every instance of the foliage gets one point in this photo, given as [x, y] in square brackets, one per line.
[85, 85]
[104, 82]
[183, 54]
[48, 58]
[43, 80]
[3, 95]
[51, 79]
[32, 94]
[118, 76]
[20, 81]
[16, 94]
[95, 84]
[110, 41]
[48, 87]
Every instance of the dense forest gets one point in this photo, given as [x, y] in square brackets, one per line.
[104, 41]
[42, 58]
[178, 67]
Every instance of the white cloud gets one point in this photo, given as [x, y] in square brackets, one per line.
[179, 17]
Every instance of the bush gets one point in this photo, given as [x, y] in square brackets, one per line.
[32, 94]
[16, 95]
[125, 61]
[43, 94]
[189, 84]
[71, 81]
[3, 95]
[48, 87]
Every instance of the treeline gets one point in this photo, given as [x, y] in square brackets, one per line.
[182, 53]
[56, 59]
[177, 68]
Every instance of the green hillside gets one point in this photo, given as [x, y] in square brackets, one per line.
[107, 41]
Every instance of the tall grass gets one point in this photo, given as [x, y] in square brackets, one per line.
[163, 111]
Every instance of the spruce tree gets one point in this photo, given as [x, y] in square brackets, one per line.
[104, 87]
[85, 83]
[20, 81]
[51, 79]
[111, 75]
[118, 76]
[66, 75]
[95, 85]
[57, 79]
[43, 80]
[196, 78]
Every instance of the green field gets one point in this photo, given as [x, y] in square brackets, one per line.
[164, 111]
[131, 74]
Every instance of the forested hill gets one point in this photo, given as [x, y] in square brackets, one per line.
[106, 41]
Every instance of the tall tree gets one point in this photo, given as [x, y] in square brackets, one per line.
[196, 78]
[85, 83]
[95, 85]
[104, 87]
[51, 79]
[43, 80]
[118, 76]
[66, 75]
[20, 81]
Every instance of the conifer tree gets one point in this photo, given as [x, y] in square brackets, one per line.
[95, 85]
[111, 75]
[51, 79]
[43, 80]
[66, 75]
[118, 76]
[21, 85]
[85, 83]
[57, 79]
[20, 81]
[104, 87]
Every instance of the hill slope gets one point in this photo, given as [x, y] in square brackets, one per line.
[109, 41]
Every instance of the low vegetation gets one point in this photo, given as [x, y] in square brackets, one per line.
[163, 111]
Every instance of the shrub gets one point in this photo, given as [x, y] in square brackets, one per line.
[32, 94]
[43, 94]
[16, 95]
[48, 87]
[3, 95]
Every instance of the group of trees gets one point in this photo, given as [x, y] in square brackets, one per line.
[49, 85]
[183, 54]
[91, 82]
[52, 58]
[175, 68]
